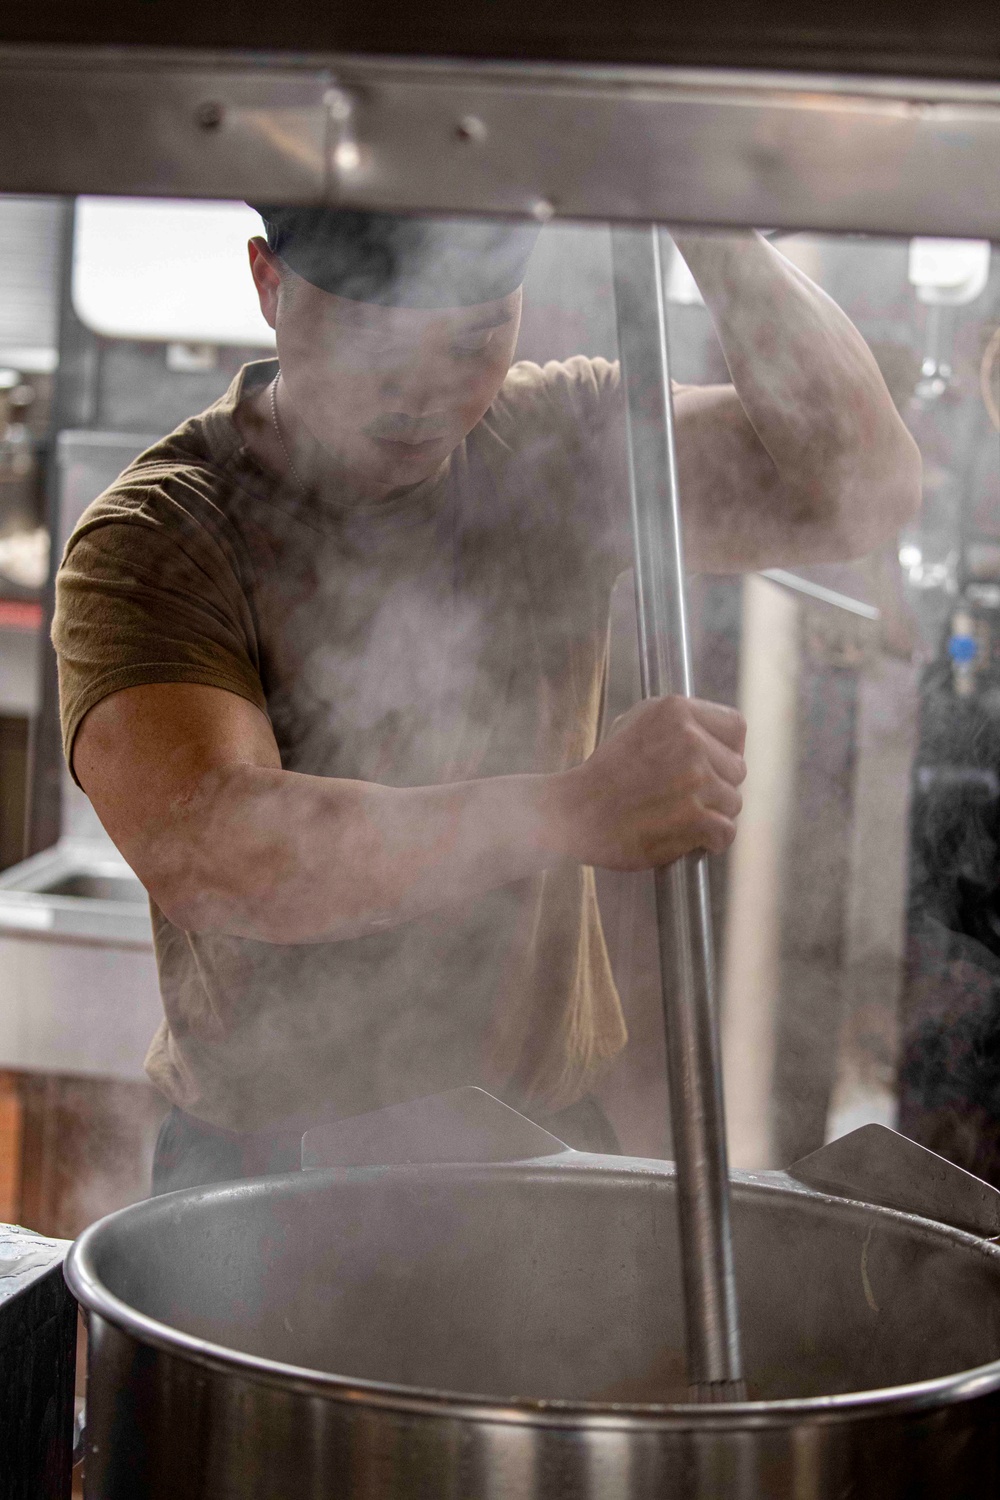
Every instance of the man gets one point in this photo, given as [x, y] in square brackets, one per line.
[332, 659]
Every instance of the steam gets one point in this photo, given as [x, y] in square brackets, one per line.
[408, 643]
[85, 1148]
[395, 650]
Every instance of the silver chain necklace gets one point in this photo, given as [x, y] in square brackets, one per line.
[277, 432]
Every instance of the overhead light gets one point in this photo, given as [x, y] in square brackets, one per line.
[949, 273]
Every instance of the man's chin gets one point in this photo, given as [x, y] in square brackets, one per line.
[409, 463]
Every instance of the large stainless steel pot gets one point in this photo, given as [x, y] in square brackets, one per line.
[513, 1329]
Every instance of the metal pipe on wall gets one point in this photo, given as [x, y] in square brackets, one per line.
[682, 900]
[750, 989]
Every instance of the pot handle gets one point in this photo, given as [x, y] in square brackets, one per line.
[878, 1165]
[464, 1125]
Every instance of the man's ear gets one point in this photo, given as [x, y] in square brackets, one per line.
[266, 278]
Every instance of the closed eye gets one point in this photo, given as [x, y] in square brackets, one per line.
[473, 343]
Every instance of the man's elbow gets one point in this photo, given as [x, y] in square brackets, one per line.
[193, 890]
[204, 908]
[879, 499]
[185, 902]
[262, 910]
[907, 484]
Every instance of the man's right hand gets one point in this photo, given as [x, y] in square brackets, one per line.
[662, 784]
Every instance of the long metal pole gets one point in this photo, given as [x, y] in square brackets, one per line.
[682, 899]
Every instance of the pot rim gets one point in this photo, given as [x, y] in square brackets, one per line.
[964, 1385]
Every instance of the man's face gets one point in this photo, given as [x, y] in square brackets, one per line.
[388, 391]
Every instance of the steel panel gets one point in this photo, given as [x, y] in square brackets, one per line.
[806, 152]
[111, 124]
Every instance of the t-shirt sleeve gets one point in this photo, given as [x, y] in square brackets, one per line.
[587, 397]
[139, 601]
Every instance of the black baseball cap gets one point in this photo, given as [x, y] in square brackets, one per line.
[400, 261]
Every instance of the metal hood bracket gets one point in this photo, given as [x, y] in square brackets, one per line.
[878, 1165]
[464, 1125]
[673, 145]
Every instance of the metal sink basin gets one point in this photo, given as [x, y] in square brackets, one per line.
[80, 990]
[80, 888]
[94, 886]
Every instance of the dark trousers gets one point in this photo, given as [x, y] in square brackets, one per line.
[190, 1153]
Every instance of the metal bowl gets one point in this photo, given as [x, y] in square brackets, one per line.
[513, 1329]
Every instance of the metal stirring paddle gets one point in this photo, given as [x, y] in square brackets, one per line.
[715, 1370]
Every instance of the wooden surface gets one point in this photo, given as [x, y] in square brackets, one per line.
[11, 1135]
[73, 1149]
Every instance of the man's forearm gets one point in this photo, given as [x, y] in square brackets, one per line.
[254, 851]
[286, 858]
[810, 388]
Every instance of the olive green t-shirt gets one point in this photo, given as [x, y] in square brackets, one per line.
[457, 629]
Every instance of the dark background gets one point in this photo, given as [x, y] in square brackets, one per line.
[958, 41]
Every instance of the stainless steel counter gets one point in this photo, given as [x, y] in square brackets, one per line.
[80, 991]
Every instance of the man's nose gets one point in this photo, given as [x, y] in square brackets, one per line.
[422, 389]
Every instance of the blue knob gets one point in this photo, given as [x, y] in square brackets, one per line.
[962, 649]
